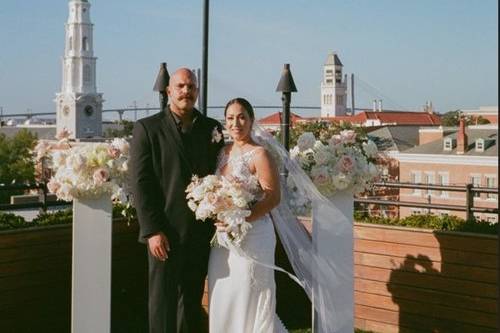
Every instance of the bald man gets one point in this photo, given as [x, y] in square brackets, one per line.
[166, 150]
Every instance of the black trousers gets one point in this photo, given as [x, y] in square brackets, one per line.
[176, 289]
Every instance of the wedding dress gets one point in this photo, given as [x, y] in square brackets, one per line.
[242, 293]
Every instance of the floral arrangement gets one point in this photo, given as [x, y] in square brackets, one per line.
[345, 161]
[216, 197]
[84, 170]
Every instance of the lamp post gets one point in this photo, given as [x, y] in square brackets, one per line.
[161, 84]
[204, 60]
[286, 86]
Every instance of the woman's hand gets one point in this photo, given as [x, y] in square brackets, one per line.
[221, 226]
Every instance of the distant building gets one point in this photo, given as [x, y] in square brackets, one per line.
[79, 105]
[273, 121]
[390, 141]
[486, 112]
[333, 88]
[451, 156]
[389, 118]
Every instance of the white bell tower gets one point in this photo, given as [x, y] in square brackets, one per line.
[333, 88]
[79, 105]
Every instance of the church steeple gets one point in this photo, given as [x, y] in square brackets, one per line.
[79, 106]
[333, 88]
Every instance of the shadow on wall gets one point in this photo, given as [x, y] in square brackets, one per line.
[452, 288]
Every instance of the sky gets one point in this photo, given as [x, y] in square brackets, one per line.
[403, 52]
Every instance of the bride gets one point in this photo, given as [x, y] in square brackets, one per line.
[241, 291]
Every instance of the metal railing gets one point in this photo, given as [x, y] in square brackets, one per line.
[468, 189]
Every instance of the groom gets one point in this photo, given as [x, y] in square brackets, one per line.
[166, 150]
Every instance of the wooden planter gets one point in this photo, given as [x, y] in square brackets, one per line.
[415, 280]
[35, 279]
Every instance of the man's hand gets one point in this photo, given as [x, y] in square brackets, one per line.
[159, 246]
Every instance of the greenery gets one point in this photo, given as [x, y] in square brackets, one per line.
[126, 130]
[10, 221]
[321, 129]
[17, 165]
[452, 118]
[429, 221]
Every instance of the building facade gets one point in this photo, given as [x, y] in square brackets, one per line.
[451, 156]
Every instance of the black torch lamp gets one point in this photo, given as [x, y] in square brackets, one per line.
[286, 86]
[161, 84]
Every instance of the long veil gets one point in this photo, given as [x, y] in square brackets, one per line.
[328, 283]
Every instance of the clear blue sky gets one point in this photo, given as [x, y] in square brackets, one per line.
[405, 52]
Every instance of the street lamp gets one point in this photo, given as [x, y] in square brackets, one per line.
[161, 84]
[286, 86]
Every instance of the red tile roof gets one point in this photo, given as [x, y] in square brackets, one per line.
[392, 117]
[274, 119]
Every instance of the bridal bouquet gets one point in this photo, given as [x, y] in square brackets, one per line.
[346, 162]
[216, 197]
[84, 169]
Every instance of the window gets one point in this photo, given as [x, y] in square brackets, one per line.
[338, 76]
[480, 145]
[85, 44]
[415, 178]
[329, 72]
[448, 144]
[87, 74]
[442, 179]
[70, 43]
[429, 179]
[329, 81]
[491, 181]
[475, 180]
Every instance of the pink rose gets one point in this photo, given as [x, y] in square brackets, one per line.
[113, 152]
[53, 186]
[346, 164]
[100, 176]
[348, 136]
[335, 140]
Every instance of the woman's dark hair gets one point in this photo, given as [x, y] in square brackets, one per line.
[244, 103]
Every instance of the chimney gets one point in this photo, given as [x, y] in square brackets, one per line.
[379, 105]
[374, 105]
[461, 138]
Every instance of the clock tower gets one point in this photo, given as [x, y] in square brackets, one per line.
[333, 88]
[79, 105]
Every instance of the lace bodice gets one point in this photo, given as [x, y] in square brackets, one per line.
[239, 169]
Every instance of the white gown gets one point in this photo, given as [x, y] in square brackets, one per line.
[242, 293]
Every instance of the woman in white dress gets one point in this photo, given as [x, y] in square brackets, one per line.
[242, 292]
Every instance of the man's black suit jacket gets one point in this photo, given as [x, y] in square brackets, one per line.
[161, 167]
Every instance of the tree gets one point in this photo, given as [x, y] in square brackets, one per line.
[127, 127]
[17, 164]
[452, 119]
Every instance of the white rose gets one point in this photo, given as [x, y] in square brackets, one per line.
[341, 181]
[322, 157]
[370, 148]
[121, 144]
[306, 141]
[192, 205]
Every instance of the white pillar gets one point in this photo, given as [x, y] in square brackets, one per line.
[91, 277]
[333, 243]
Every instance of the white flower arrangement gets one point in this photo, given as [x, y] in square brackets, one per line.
[216, 197]
[86, 170]
[346, 163]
